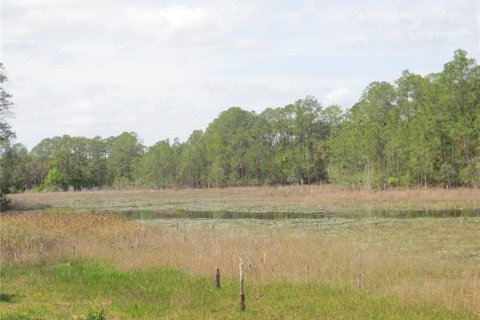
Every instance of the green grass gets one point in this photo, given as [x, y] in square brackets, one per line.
[83, 289]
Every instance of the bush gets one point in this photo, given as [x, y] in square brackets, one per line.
[392, 181]
[54, 180]
[100, 315]
[4, 201]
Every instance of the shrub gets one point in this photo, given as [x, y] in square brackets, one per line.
[100, 315]
[54, 180]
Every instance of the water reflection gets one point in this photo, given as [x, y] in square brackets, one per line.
[228, 215]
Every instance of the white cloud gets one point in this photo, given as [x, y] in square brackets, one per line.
[122, 21]
[340, 96]
[163, 69]
[248, 44]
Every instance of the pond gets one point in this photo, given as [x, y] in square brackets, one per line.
[228, 215]
[325, 222]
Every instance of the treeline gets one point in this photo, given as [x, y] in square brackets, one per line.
[417, 131]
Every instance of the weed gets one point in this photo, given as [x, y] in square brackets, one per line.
[94, 315]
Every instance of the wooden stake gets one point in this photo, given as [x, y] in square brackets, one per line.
[251, 265]
[217, 278]
[359, 281]
[360, 272]
[241, 300]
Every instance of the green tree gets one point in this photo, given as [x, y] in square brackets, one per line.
[15, 163]
[260, 151]
[41, 160]
[6, 133]
[97, 167]
[55, 181]
[124, 152]
[457, 93]
[69, 157]
[413, 137]
[6, 105]
[158, 166]
[226, 143]
[358, 150]
[193, 164]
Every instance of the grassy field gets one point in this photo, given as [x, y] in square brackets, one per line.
[82, 290]
[70, 261]
[319, 198]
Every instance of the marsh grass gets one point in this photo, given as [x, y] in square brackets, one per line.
[433, 263]
[312, 198]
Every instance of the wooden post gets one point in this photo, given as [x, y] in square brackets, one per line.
[241, 300]
[360, 273]
[359, 281]
[217, 278]
[251, 265]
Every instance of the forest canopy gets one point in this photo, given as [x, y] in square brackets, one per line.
[416, 131]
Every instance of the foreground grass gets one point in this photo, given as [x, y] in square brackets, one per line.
[428, 262]
[300, 199]
[70, 290]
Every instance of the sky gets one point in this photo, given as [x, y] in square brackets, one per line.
[165, 68]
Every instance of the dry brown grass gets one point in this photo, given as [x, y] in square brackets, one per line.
[317, 198]
[377, 257]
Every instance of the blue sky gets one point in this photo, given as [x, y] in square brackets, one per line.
[165, 68]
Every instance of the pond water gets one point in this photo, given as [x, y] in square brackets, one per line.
[228, 215]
